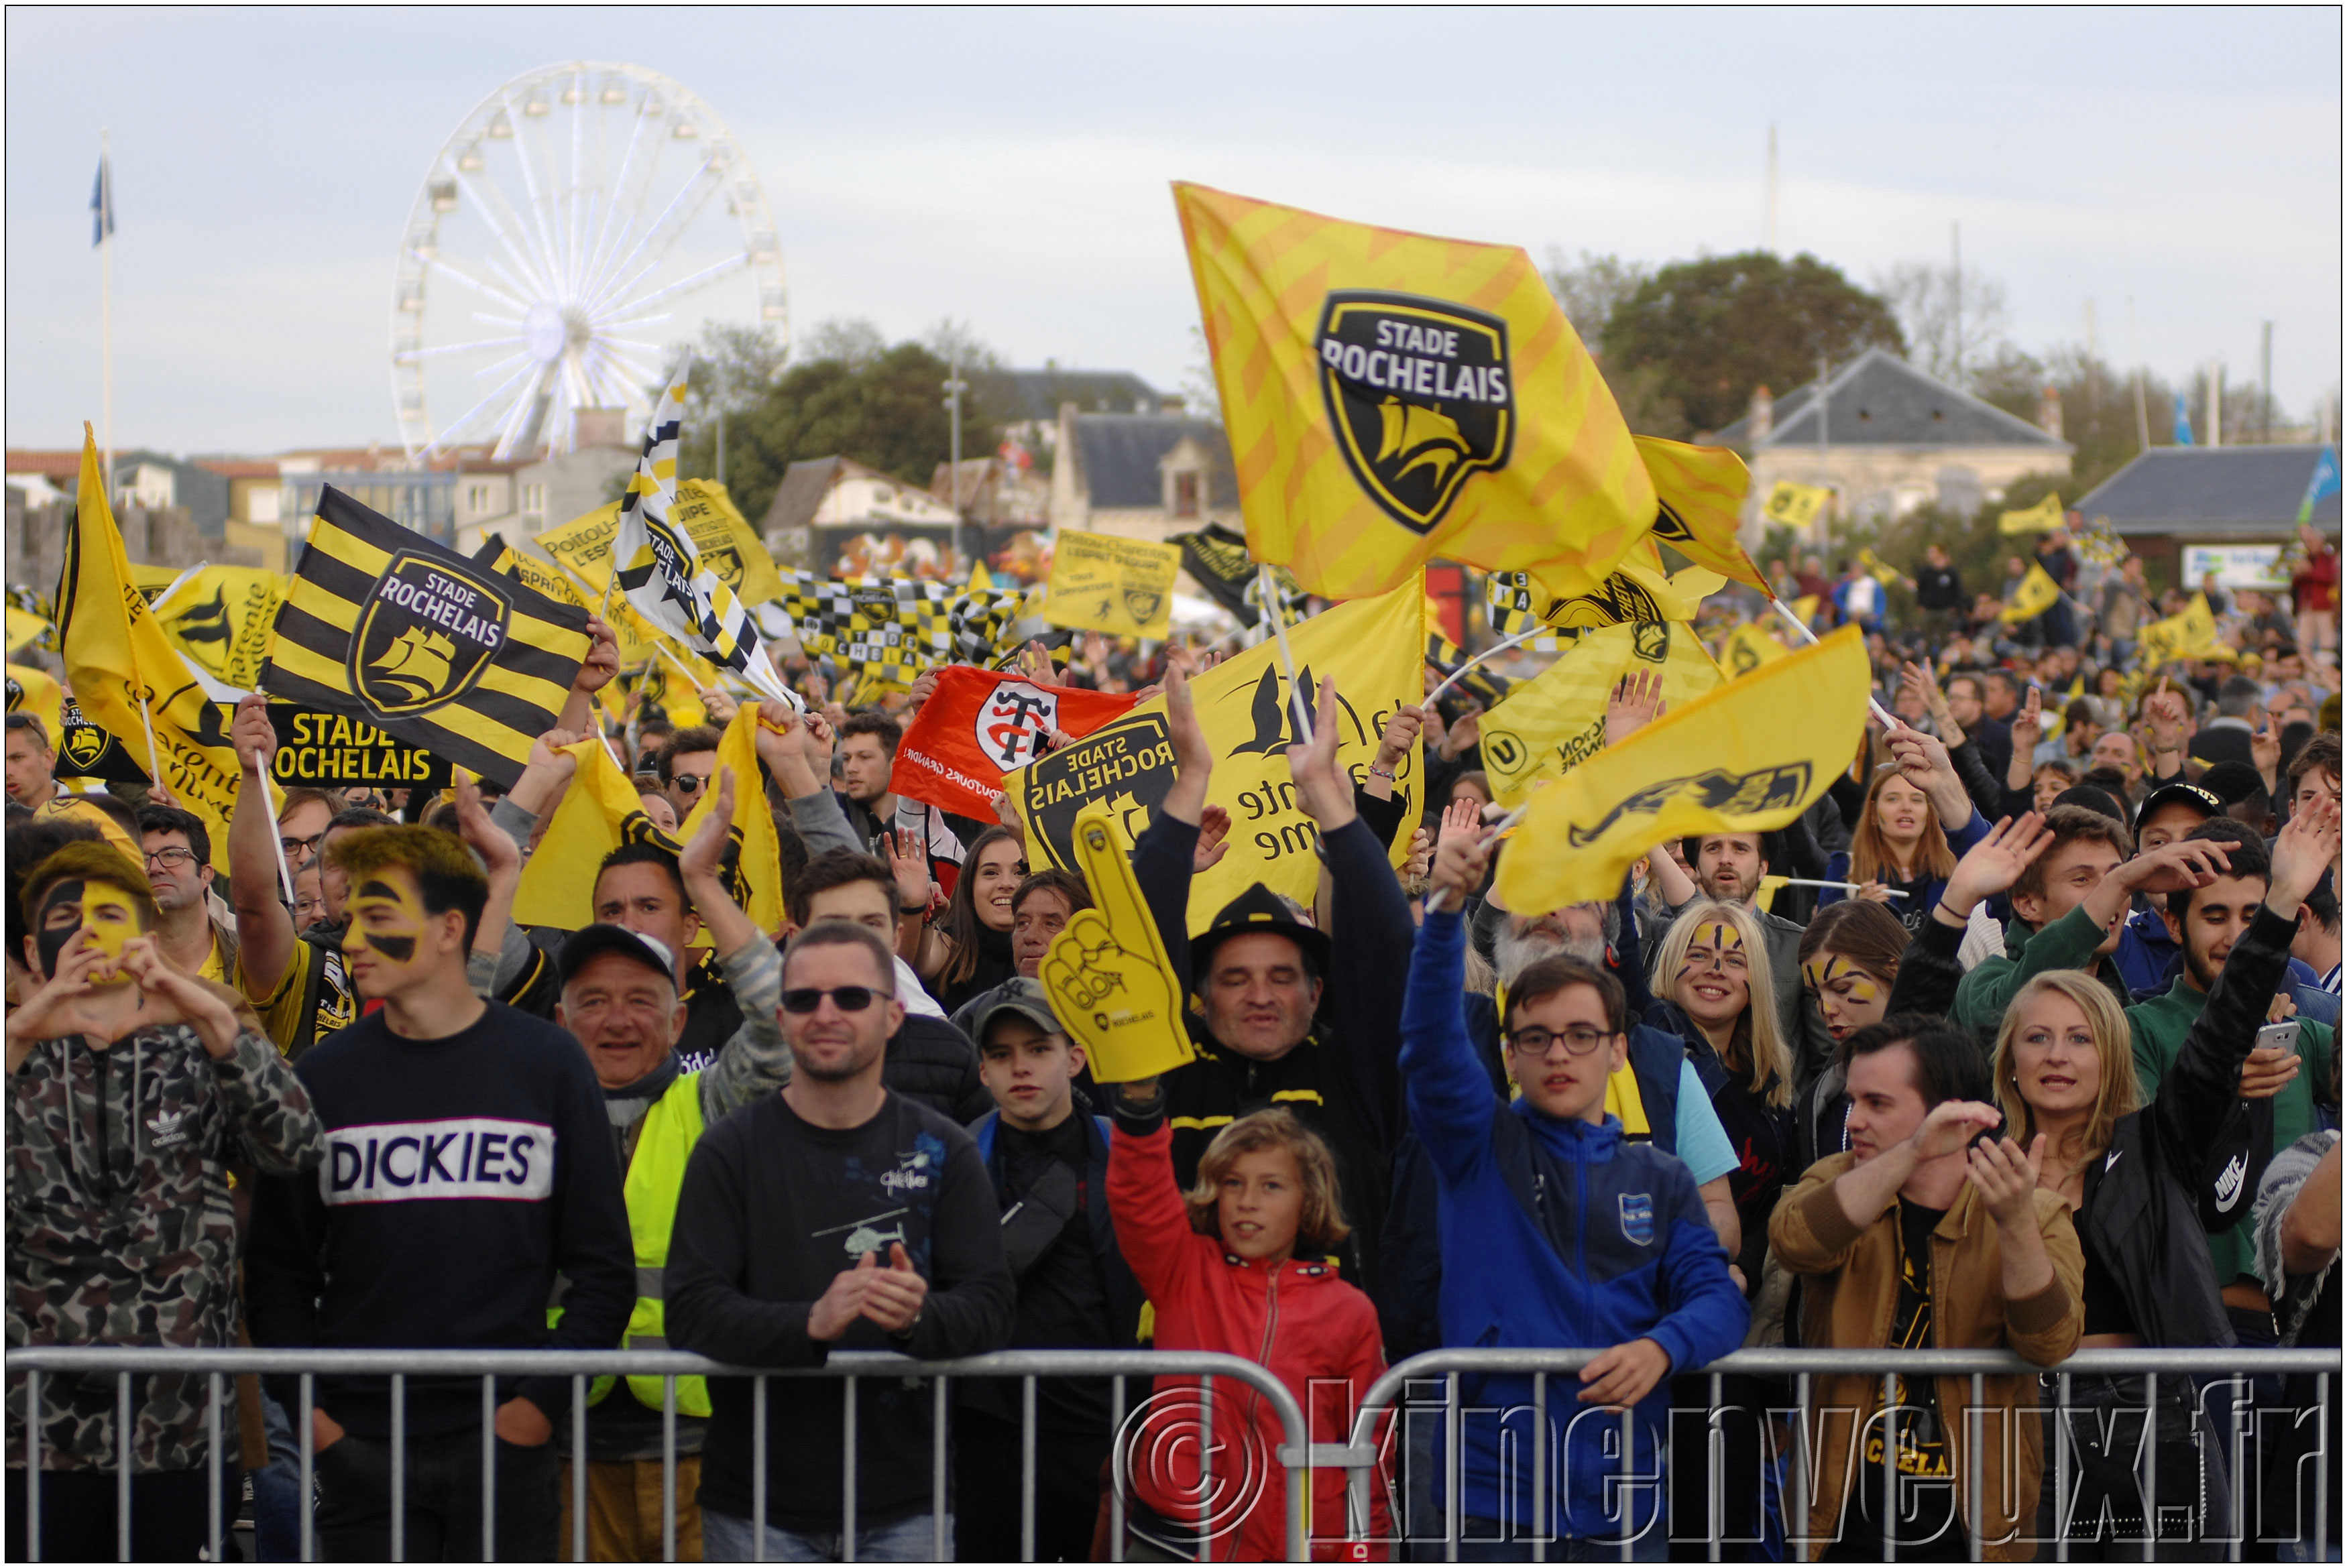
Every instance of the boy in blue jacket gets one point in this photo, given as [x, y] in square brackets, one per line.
[1556, 1233]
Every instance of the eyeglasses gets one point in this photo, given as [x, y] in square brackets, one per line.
[688, 783]
[172, 856]
[301, 846]
[1579, 1041]
[806, 999]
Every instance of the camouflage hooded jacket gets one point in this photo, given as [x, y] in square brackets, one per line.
[121, 1230]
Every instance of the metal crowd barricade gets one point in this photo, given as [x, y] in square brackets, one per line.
[1360, 1455]
[1296, 1454]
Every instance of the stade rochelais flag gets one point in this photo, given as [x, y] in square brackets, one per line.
[384, 624]
[660, 568]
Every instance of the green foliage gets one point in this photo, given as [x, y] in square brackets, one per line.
[882, 406]
[1713, 329]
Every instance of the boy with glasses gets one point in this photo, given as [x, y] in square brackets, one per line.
[1555, 1232]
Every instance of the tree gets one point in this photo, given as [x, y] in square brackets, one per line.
[1716, 328]
[1955, 325]
[885, 409]
[1592, 288]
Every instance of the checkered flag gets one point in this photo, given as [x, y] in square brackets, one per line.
[1509, 601]
[659, 567]
[887, 630]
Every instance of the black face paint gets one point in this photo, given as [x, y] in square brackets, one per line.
[51, 940]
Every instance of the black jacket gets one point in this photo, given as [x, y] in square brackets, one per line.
[1124, 1295]
[2143, 1209]
[931, 1062]
[1938, 588]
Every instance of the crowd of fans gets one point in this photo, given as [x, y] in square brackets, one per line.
[2023, 1037]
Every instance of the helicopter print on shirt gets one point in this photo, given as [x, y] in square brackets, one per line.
[864, 1236]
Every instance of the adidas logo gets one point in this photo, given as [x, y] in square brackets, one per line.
[2230, 1182]
[169, 1127]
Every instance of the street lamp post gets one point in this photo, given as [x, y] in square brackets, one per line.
[953, 387]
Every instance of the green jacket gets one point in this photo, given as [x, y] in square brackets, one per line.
[2068, 943]
[2158, 1027]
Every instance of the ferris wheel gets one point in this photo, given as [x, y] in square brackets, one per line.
[546, 259]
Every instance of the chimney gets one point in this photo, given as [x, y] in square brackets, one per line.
[1173, 405]
[598, 427]
[1764, 413]
[2049, 412]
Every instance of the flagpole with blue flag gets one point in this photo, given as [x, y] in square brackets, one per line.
[101, 229]
[2323, 482]
[2183, 422]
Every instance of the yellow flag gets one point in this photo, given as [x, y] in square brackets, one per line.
[1105, 584]
[1699, 507]
[116, 657]
[981, 581]
[1375, 649]
[224, 618]
[1794, 506]
[2041, 518]
[756, 854]
[1637, 590]
[597, 813]
[24, 628]
[1745, 758]
[1805, 609]
[1749, 647]
[1107, 973]
[1876, 567]
[2037, 593]
[2189, 633]
[1393, 397]
[33, 691]
[729, 546]
[1556, 721]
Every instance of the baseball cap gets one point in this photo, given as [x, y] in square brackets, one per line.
[2231, 782]
[590, 942]
[2094, 798]
[1017, 995]
[2204, 801]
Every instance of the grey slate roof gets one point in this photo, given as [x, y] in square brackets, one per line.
[1880, 400]
[2210, 492]
[1118, 455]
[1013, 396]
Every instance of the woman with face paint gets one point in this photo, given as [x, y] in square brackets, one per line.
[133, 1086]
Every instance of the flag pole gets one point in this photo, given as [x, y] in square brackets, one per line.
[154, 762]
[1301, 703]
[1496, 648]
[106, 302]
[1882, 716]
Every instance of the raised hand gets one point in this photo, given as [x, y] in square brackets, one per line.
[1107, 973]
[82, 965]
[1997, 863]
[602, 660]
[2029, 724]
[1214, 840]
[909, 859]
[1326, 795]
[925, 687]
[704, 852]
[1459, 860]
[1918, 679]
[2007, 1179]
[722, 705]
[2302, 851]
[1401, 732]
[1636, 701]
[1461, 818]
[1950, 1125]
[254, 738]
[1421, 863]
[498, 852]
[1006, 812]
[2265, 750]
[1923, 759]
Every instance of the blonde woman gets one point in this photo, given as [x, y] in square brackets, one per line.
[2133, 1175]
[1711, 980]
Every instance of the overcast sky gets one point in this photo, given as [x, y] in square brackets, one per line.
[1010, 168]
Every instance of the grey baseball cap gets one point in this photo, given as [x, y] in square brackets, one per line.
[1017, 995]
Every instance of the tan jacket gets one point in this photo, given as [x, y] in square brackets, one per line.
[1848, 1297]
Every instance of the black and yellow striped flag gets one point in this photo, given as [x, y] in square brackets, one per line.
[383, 625]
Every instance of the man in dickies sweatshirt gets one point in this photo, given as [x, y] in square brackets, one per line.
[469, 1162]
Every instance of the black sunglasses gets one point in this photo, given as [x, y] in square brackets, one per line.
[688, 783]
[808, 998]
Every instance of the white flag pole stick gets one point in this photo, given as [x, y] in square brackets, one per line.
[1881, 714]
[1496, 648]
[154, 762]
[1847, 887]
[1298, 700]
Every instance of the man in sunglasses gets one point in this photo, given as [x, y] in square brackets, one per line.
[179, 874]
[835, 1214]
[687, 766]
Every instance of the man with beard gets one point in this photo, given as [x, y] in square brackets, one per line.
[179, 874]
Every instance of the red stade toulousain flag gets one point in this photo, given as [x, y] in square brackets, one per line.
[981, 724]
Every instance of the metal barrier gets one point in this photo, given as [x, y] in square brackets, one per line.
[1360, 1456]
[1295, 1455]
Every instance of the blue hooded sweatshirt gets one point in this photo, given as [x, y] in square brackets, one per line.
[1554, 1235]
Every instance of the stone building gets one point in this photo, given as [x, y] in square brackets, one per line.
[1887, 439]
[1141, 475]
